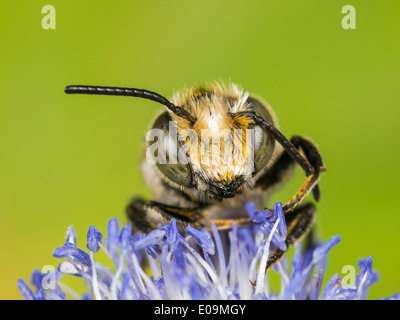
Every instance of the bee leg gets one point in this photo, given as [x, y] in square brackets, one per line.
[285, 164]
[146, 216]
[311, 183]
[299, 222]
[136, 213]
[225, 224]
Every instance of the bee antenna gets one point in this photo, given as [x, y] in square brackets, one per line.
[286, 144]
[131, 92]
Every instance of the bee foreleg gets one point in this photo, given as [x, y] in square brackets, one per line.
[313, 156]
[146, 216]
[225, 224]
[285, 164]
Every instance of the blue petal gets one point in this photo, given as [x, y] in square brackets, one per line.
[331, 287]
[203, 239]
[133, 239]
[297, 260]
[153, 238]
[70, 250]
[94, 237]
[179, 258]
[278, 212]
[277, 239]
[40, 294]
[260, 296]
[82, 257]
[113, 235]
[346, 293]
[153, 251]
[66, 267]
[245, 235]
[316, 285]
[256, 215]
[126, 291]
[365, 265]
[160, 285]
[36, 279]
[124, 238]
[71, 235]
[251, 209]
[172, 233]
[279, 236]
[56, 295]
[196, 291]
[25, 291]
[321, 251]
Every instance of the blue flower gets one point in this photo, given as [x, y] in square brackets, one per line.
[196, 265]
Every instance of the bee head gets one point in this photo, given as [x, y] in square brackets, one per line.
[221, 151]
[214, 139]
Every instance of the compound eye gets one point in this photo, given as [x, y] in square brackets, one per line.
[264, 147]
[258, 137]
[165, 151]
[263, 142]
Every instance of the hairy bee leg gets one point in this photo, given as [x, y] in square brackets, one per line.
[311, 183]
[225, 224]
[299, 223]
[285, 165]
[146, 216]
[137, 214]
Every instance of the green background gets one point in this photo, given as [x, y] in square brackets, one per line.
[75, 159]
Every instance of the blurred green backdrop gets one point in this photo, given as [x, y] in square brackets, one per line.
[74, 159]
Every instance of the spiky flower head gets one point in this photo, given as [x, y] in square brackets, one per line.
[165, 264]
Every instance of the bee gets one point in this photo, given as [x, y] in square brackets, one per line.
[196, 192]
